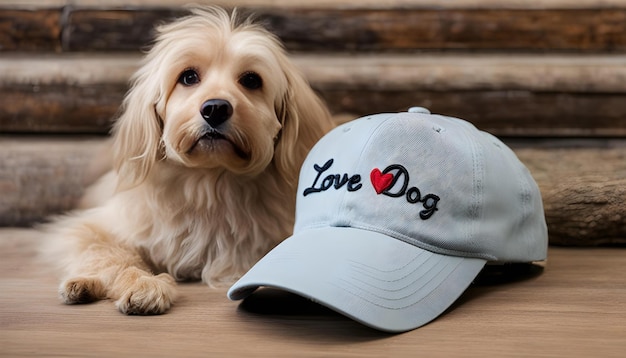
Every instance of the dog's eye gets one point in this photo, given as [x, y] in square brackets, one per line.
[189, 78]
[251, 80]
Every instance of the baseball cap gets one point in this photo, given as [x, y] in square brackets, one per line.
[396, 215]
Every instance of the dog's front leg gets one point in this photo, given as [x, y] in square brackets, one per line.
[137, 291]
[103, 268]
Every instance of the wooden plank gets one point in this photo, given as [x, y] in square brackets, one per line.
[340, 4]
[59, 108]
[438, 72]
[370, 4]
[40, 176]
[62, 94]
[55, 109]
[314, 28]
[503, 113]
[30, 30]
[506, 95]
[580, 30]
[574, 307]
[468, 71]
[117, 29]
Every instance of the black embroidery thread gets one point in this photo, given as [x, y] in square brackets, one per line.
[402, 170]
[336, 180]
[413, 194]
[353, 183]
[429, 209]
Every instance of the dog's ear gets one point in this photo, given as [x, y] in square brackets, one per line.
[137, 132]
[304, 118]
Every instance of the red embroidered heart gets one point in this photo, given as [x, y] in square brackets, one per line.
[380, 181]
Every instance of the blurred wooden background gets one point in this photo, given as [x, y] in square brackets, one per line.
[548, 77]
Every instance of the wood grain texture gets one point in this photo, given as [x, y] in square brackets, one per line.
[59, 109]
[114, 29]
[62, 93]
[371, 4]
[450, 29]
[503, 113]
[91, 110]
[507, 95]
[393, 28]
[574, 308]
[385, 29]
[30, 30]
[43, 176]
[583, 191]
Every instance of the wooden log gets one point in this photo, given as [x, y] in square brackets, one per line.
[30, 30]
[400, 27]
[584, 193]
[59, 109]
[505, 95]
[504, 113]
[340, 4]
[62, 94]
[587, 210]
[40, 176]
[113, 29]
[84, 110]
[585, 30]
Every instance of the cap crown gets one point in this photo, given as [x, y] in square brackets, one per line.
[432, 181]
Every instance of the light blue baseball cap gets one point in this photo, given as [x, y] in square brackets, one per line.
[396, 215]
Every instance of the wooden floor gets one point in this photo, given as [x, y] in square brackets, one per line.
[576, 306]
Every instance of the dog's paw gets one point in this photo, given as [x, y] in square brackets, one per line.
[81, 290]
[148, 295]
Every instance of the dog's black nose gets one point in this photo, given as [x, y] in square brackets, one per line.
[216, 111]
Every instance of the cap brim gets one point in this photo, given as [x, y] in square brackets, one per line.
[377, 280]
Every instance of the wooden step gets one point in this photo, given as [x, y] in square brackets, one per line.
[521, 95]
[348, 25]
[583, 188]
[583, 182]
[62, 93]
[40, 176]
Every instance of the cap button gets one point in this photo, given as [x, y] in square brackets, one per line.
[419, 110]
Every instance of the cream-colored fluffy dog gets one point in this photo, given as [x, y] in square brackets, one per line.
[206, 154]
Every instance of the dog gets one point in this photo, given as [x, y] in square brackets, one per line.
[206, 154]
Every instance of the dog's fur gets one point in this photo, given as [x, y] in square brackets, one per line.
[182, 204]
